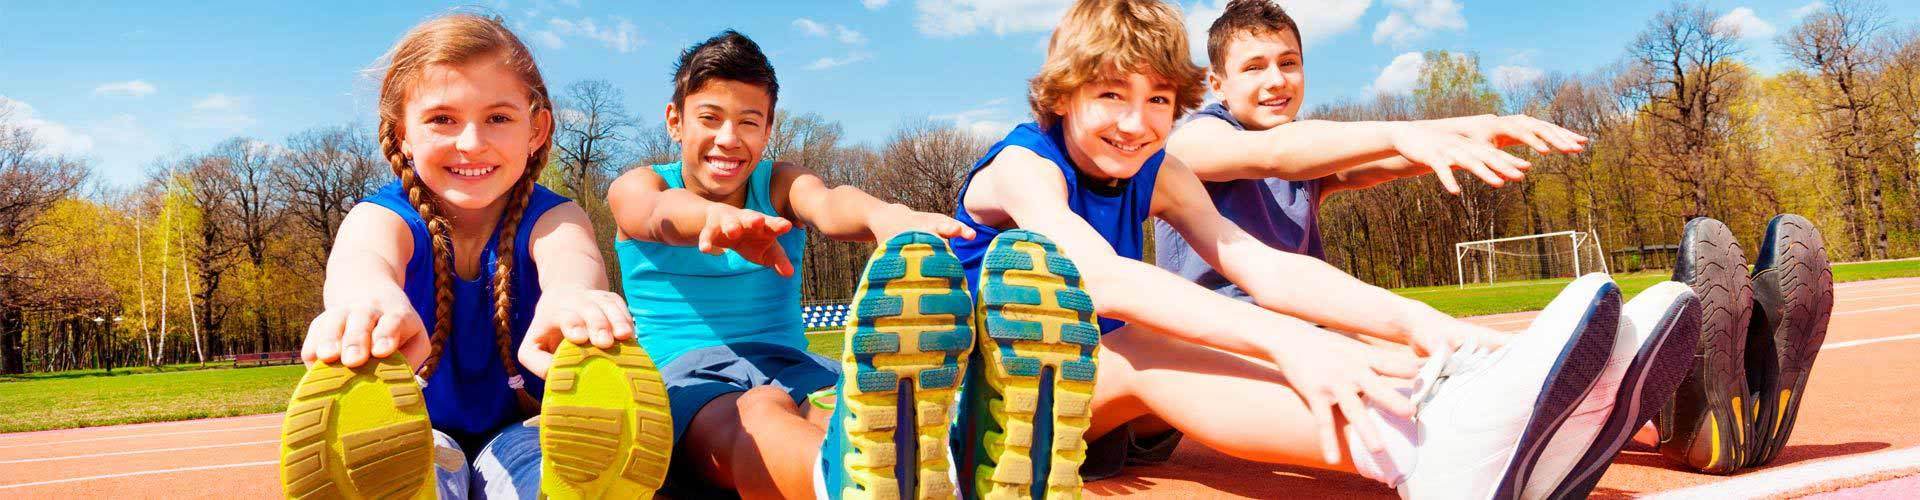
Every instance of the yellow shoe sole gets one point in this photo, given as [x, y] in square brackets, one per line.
[605, 428]
[357, 433]
[1039, 349]
[907, 341]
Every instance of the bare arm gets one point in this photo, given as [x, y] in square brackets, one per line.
[1295, 151]
[366, 313]
[645, 209]
[574, 301]
[1288, 283]
[846, 213]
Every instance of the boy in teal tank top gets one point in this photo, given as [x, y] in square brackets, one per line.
[710, 253]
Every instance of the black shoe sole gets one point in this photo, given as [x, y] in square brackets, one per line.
[1705, 427]
[1793, 295]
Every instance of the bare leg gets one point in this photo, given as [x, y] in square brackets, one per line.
[757, 442]
[1238, 406]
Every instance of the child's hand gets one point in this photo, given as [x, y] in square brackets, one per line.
[1440, 334]
[1444, 151]
[753, 235]
[1513, 130]
[896, 219]
[373, 327]
[580, 316]
[1334, 371]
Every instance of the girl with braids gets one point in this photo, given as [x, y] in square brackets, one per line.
[439, 274]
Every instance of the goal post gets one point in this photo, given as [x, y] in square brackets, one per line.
[1534, 256]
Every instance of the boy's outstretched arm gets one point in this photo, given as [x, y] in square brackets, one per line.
[848, 213]
[1492, 131]
[1329, 371]
[1299, 285]
[645, 209]
[1296, 151]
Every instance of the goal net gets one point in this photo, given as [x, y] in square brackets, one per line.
[1564, 254]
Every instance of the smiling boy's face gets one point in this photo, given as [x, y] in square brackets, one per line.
[1261, 79]
[1112, 126]
[722, 132]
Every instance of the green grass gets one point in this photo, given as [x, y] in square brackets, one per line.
[85, 398]
[61, 402]
[117, 372]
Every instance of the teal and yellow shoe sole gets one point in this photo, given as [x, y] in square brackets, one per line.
[605, 428]
[1038, 347]
[357, 433]
[907, 342]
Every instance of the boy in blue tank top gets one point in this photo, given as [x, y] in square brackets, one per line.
[710, 252]
[1256, 380]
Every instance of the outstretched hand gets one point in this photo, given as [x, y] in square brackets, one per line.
[371, 327]
[754, 235]
[583, 317]
[1444, 151]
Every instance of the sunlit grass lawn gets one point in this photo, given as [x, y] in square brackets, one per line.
[85, 398]
[69, 399]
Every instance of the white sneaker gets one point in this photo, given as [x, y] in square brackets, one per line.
[1659, 330]
[1485, 417]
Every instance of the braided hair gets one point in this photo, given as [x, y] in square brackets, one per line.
[457, 39]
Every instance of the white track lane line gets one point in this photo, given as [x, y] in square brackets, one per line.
[1856, 343]
[139, 473]
[135, 452]
[136, 436]
[1797, 479]
[28, 435]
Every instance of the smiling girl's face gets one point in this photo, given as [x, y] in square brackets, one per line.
[470, 129]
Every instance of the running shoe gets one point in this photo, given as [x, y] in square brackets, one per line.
[907, 341]
[1029, 398]
[1659, 330]
[1485, 417]
[1706, 427]
[1793, 297]
[605, 429]
[357, 433]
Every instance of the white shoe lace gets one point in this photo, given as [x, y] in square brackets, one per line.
[1444, 366]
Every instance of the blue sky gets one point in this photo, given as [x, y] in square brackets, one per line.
[128, 83]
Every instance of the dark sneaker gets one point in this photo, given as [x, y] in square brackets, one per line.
[1793, 299]
[1706, 427]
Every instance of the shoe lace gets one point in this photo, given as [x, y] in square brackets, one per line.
[1438, 369]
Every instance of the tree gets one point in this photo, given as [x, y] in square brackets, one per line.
[1836, 43]
[31, 182]
[323, 172]
[1683, 74]
[592, 127]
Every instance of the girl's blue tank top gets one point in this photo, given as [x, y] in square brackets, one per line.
[468, 397]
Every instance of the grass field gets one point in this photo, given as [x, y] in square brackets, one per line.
[85, 398]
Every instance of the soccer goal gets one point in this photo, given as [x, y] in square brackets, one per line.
[1563, 254]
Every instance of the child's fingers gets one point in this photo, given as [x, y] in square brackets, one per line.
[415, 348]
[355, 337]
[1356, 412]
[1445, 174]
[323, 336]
[572, 327]
[536, 359]
[779, 225]
[1394, 364]
[1384, 396]
[385, 330]
[1509, 167]
[1329, 439]
[617, 315]
[1478, 168]
[598, 329]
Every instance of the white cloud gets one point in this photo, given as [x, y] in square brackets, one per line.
[1743, 23]
[1400, 76]
[131, 88]
[620, 35]
[810, 27]
[987, 121]
[1411, 20]
[1508, 77]
[835, 62]
[549, 39]
[873, 4]
[220, 111]
[54, 138]
[951, 18]
[837, 32]
[1808, 9]
[1318, 19]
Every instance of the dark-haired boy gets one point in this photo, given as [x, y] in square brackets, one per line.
[710, 250]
